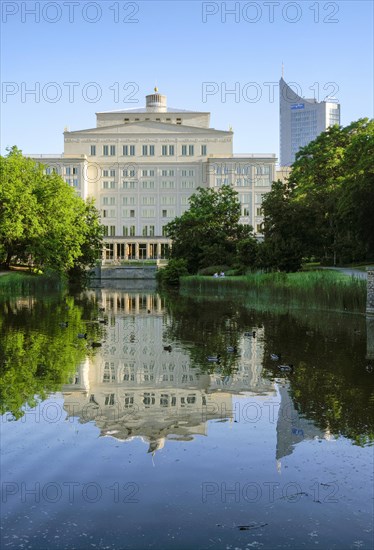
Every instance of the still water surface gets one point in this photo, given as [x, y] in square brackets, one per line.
[135, 446]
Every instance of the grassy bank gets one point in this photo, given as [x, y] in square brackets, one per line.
[329, 289]
[13, 283]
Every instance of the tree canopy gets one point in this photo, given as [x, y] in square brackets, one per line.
[42, 218]
[209, 232]
[326, 208]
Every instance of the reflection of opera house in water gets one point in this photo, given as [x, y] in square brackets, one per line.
[132, 387]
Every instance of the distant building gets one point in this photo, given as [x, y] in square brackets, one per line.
[301, 121]
[142, 165]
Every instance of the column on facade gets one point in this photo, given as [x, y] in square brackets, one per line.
[136, 251]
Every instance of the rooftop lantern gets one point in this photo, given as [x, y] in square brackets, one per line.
[156, 103]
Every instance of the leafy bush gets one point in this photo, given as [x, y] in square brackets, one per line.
[171, 274]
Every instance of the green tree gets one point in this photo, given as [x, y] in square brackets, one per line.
[356, 202]
[37, 356]
[91, 246]
[209, 231]
[326, 208]
[19, 220]
[285, 230]
[329, 174]
[42, 218]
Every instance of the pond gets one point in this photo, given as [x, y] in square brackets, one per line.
[118, 431]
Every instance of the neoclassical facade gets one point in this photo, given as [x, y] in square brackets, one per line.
[142, 165]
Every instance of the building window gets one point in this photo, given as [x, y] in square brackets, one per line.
[168, 150]
[151, 230]
[68, 171]
[132, 213]
[109, 231]
[128, 184]
[164, 213]
[112, 150]
[148, 213]
[93, 150]
[168, 200]
[148, 184]
[128, 200]
[109, 399]
[203, 150]
[188, 151]
[146, 173]
[132, 230]
[187, 184]
[128, 173]
[149, 201]
[167, 184]
[105, 150]
[148, 150]
[128, 150]
[167, 172]
[109, 213]
[125, 231]
[109, 184]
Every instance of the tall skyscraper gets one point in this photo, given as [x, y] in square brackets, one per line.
[301, 120]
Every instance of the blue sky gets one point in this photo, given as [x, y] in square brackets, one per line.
[196, 52]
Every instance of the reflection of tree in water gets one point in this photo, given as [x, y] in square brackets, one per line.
[37, 354]
[330, 384]
[207, 328]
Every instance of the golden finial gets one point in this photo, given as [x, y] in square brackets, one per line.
[156, 89]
